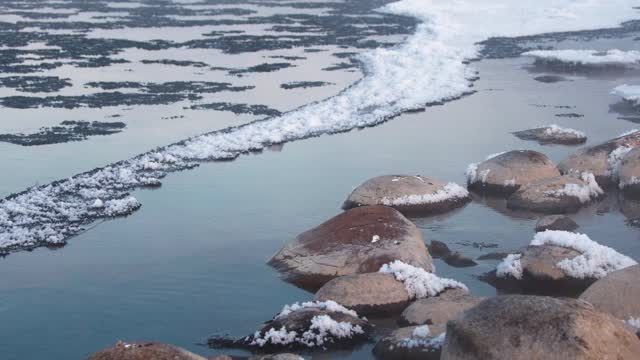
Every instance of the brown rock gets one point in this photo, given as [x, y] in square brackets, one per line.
[144, 351]
[547, 135]
[456, 259]
[390, 190]
[371, 293]
[547, 196]
[617, 293]
[533, 327]
[556, 222]
[357, 241]
[506, 173]
[402, 344]
[438, 310]
[438, 249]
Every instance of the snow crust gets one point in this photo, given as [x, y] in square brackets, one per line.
[449, 192]
[329, 305]
[615, 159]
[595, 261]
[510, 266]
[585, 193]
[554, 129]
[430, 67]
[630, 93]
[418, 282]
[421, 338]
[613, 57]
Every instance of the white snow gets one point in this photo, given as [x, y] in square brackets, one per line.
[420, 338]
[375, 239]
[585, 193]
[595, 261]
[554, 129]
[421, 331]
[587, 57]
[418, 282]
[449, 192]
[615, 159]
[97, 204]
[630, 93]
[510, 266]
[329, 305]
[431, 66]
[634, 323]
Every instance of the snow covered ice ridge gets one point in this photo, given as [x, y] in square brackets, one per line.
[430, 67]
[587, 57]
[451, 191]
[418, 282]
[595, 260]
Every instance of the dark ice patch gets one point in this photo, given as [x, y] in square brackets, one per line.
[176, 62]
[550, 79]
[569, 115]
[262, 68]
[34, 83]
[304, 84]
[238, 108]
[65, 132]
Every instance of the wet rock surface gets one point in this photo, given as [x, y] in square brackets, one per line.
[533, 327]
[144, 351]
[505, 173]
[65, 132]
[617, 293]
[438, 310]
[556, 222]
[367, 294]
[359, 240]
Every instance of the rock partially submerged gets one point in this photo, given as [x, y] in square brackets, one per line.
[629, 174]
[553, 134]
[144, 351]
[603, 160]
[440, 250]
[357, 241]
[438, 310]
[372, 293]
[409, 194]
[617, 293]
[409, 343]
[557, 195]
[533, 327]
[507, 172]
[303, 326]
[556, 222]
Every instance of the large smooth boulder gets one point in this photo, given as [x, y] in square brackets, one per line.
[540, 273]
[601, 160]
[553, 134]
[411, 343]
[371, 293]
[357, 241]
[409, 194]
[505, 173]
[556, 222]
[521, 327]
[557, 195]
[438, 310]
[617, 293]
[629, 174]
[144, 351]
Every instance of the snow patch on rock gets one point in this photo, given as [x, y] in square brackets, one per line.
[585, 193]
[510, 266]
[418, 282]
[451, 191]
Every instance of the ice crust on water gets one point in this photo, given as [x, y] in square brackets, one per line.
[585, 193]
[510, 266]
[418, 282]
[588, 57]
[429, 67]
[630, 93]
[451, 191]
[595, 261]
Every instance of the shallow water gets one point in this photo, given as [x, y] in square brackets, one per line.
[191, 262]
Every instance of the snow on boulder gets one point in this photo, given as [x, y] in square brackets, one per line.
[409, 194]
[302, 326]
[617, 293]
[558, 262]
[603, 160]
[557, 195]
[629, 174]
[556, 222]
[414, 342]
[506, 172]
[553, 134]
[356, 241]
[439, 309]
[629, 93]
[519, 327]
[371, 293]
[584, 59]
[143, 351]
[418, 282]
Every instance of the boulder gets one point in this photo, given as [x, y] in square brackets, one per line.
[629, 174]
[556, 222]
[521, 327]
[505, 173]
[601, 160]
[357, 241]
[372, 293]
[438, 249]
[556, 195]
[144, 351]
[553, 134]
[409, 194]
[617, 293]
[409, 343]
[456, 259]
[439, 309]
